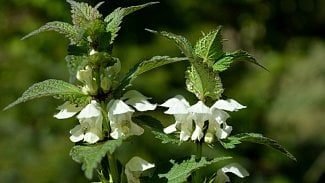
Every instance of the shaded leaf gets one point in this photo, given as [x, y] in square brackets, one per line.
[231, 141]
[224, 63]
[210, 47]
[114, 19]
[181, 42]
[202, 81]
[75, 63]
[61, 27]
[147, 65]
[52, 87]
[91, 155]
[180, 172]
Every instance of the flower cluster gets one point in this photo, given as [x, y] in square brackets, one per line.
[209, 122]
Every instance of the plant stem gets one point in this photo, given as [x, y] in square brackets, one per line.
[113, 168]
[196, 174]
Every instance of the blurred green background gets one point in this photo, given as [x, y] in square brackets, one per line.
[286, 104]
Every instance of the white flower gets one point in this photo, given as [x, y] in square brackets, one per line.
[234, 168]
[134, 167]
[86, 77]
[228, 105]
[200, 114]
[120, 114]
[178, 107]
[90, 127]
[67, 110]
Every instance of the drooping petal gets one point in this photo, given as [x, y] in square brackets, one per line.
[170, 129]
[224, 132]
[67, 110]
[135, 129]
[234, 168]
[228, 105]
[91, 137]
[118, 107]
[139, 101]
[134, 167]
[91, 110]
[77, 134]
[201, 113]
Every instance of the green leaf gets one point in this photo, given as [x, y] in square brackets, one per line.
[181, 42]
[91, 155]
[114, 19]
[82, 13]
[147, 65]
[166, 138]
[180, 172]
[52, 87]
[75, 63]
[231, 141]
[61, 27]
[210, 47]
[224, 63]
[202, 81]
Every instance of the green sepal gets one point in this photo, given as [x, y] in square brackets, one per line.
[83, 14]
[202, 81]
[225, 62]
[57, 88]
[61, 27]
[210, 47]
[145, 66]
[181, 42]
[91, 155]
[232, 141]
[114, 19]
[180, 172]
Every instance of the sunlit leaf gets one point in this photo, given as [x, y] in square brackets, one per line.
[82, 13]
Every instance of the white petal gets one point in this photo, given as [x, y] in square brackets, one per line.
[197, 134]
[170, 102]
[170, 129]
[135, 129]
[91, 137]
[221, 177]
[139, 101]
[118, 107]
[138, 164]
[116, 133]
[199, 107]
[91, 110]
[236, 169]
[223, 133]
[176, 106]
[228, 105]
[67, 110]
[77, 134]
[219, 116]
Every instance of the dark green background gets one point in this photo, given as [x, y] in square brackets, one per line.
[286, 104]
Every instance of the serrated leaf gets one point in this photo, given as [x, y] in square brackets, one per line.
[210, 47]
[147, 65]
[202, 81]
[231, 141]
[114, 19]
[91, 155]
[61, 27]
[52, 87]
[75, 63]
[181, 42]
[166, 138]
[224, 63]
[180, 172]
[82, 13]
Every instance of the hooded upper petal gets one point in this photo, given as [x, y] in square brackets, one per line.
[234, 168]
[139, 101]
[228, 105]
[134, 167]
[67, 110]
[91, 110]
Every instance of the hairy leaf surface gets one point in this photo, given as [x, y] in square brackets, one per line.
[91, 155]
[82, 13]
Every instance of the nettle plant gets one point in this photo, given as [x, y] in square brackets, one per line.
[99, 96]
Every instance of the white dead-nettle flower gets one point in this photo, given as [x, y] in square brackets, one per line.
[120, 114]
[109, 76]
[134, 168]
[86, 77]
[178, 106]
[234, 168]
[90, 119]
[214, 117]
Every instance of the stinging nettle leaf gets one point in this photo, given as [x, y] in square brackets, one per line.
[147, 65]
[114, 19]
[202, 81]
[182, 43]
[82, 13]
[75, 63]
[91, 155]
[210, 47]
[180, 172]
[256, 138]
[61, 27]
[52, 87]
[224, 63]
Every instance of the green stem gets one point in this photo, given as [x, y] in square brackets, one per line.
[113, 168]
[196, 174]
